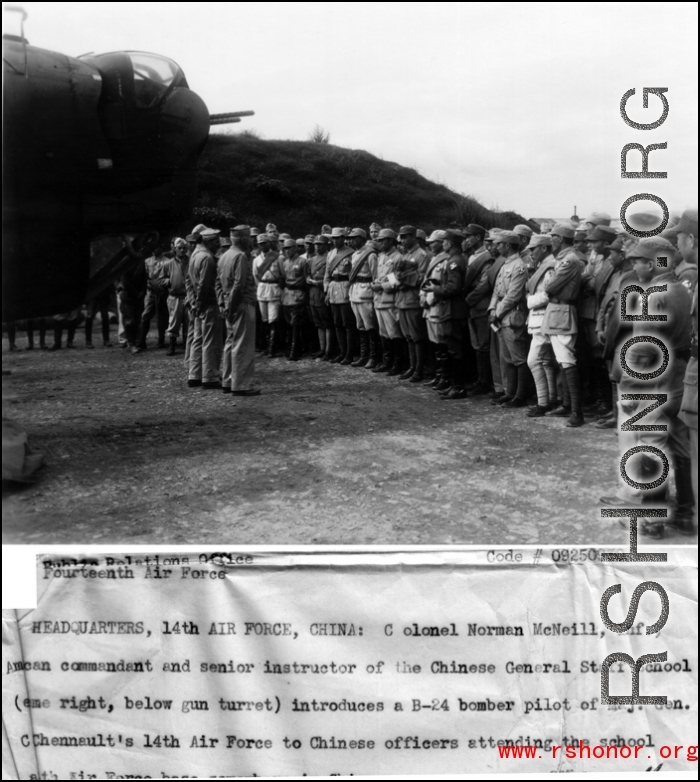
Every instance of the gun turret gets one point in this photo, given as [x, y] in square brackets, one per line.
[229, 117]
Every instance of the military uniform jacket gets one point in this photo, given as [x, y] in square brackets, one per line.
[687, 274]
[410, 272]
[537, 298]
[295, 271]
[616, 330]
[563, 288]
[448, 272]
[609, 297]
[477, 286]
[156, 273]
[202, 275]
[336, 283]
[675, 333]
[236, 281]
[316, 271]
[385, 299]
[175, 272]
[363, 273]
[508, 298]
[269, 275]
[587, 304]
[689, 405]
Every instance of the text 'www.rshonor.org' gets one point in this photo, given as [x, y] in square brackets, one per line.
[611, 750]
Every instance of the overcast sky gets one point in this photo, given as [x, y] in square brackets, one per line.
[516, 104]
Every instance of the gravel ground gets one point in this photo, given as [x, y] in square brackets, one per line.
[326, 455]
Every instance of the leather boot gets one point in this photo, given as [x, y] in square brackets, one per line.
[328, 355]
[322, 344]
[295, 350]
[418, 371]
[171, 346]
[430, 363]
[57, 337]
[459, 382]
[573, 382]
[681, 519]
[446, 381]
[342, 346]
[373, 361]
[271, 340]
[347, 360]
[387, 357]
[395, 368]
[364, 351]
[437, 377]
[408, 374]
[144, 328]
[88, 333]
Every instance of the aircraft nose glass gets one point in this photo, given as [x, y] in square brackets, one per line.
[153, 75]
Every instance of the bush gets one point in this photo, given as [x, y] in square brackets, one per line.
[319, 135]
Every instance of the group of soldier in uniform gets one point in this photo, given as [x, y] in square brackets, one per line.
[512, 314]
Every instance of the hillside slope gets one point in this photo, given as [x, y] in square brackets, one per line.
[299, 185]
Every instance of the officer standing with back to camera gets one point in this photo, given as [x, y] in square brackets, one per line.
[237, 287]
[204, 352]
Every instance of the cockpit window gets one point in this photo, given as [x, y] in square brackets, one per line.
[153, 75]
[145, 77]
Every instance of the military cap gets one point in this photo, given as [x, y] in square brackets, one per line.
[421, 234]
[565, 230]
[650, 248]
[598, 218]
[241, 228]
[338, 233]
[225, 241]
[387, 233]
[321, 239]
[263, 238]
[540, 240]
[254, 231]
[289, 243]
[618, 244]
[309, 239]
[192, 237]
[492, 235]
[325, 229]
[210, 233]
[270, 228]
[475, 230]
[688, 224]
[523, 230]
[179, 242]
[285, 236]
[454, 236]
[580, 233]
[300, 242]
[407, 229]
[358, 232]
[602, 233]
[508, 237]
[375, 227]
[199, 228]
[437, 236]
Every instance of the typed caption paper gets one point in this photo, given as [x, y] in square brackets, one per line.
[322, 663]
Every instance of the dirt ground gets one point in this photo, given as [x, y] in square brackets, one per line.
[326, 455]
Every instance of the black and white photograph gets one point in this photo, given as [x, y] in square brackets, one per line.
[349, 359]
[279, 275]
